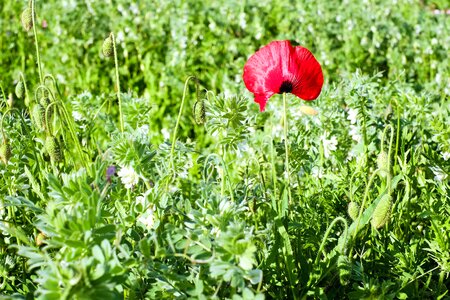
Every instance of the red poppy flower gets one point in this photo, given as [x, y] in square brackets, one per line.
[280, 68]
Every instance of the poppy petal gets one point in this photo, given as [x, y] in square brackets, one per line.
[266, 70]
[308, 76]
[279, 68]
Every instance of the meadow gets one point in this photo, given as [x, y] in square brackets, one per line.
[135, 163]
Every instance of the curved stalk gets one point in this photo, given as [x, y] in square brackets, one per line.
[33, 15]
[327, 233]
[174, 138]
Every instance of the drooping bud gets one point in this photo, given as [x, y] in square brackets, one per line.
[108, 47]
[53, 149]
[38, 114]
[199, 112]
[27, 19]
[5, 152]
[383, 163]
[345, 269]
[20, 90]
[44, 101]
[353, 210]
[382, 212]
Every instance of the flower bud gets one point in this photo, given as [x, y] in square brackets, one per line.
[44, 101]
[53, 149]
[383, 163]
[27, 19]
[5, 152]
[353, 210]
[199, 112]
[382, 212]
[38, 114]
[20, 90]
[108, 47]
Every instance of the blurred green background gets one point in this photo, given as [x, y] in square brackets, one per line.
[163, 42]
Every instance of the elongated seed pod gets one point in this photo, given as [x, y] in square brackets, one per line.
[382, 212]
[353, 210]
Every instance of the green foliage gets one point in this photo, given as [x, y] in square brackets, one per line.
[90, 212]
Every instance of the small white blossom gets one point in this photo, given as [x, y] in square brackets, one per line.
[329, 145]
[352, 115]
[446, 155]
[140, 200]
[77, 116]
[147, 218]
[439, 174]
[165, 133]
[128, 176]
[354, 132]
[317, 172]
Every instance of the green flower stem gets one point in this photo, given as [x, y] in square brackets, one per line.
[366, 193]
[33, 13]
[117, 81]
[25, 86]
[68, 120]
[174, 137]
[327, 233]
[286, 147]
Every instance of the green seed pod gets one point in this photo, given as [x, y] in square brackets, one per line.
[38, 114]
[382, 212]
[108, 48]
[345, 269]
[27, 19]
[199, 112]
[5, 152]
[20, 90]
[353, 210]
[383, 163]
[53, 149]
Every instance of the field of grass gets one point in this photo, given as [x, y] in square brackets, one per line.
[135, 164]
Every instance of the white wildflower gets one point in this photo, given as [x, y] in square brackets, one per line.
[140, 200]
[317, 172]
[329, 145]
[142, 132]
[354, 133]
[147, 218]
[446, 155]
[77, 116]
[128, 176]
[439, 174]
[352, 115]
[165, 133]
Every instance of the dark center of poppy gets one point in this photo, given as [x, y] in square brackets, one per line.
[286, 87]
